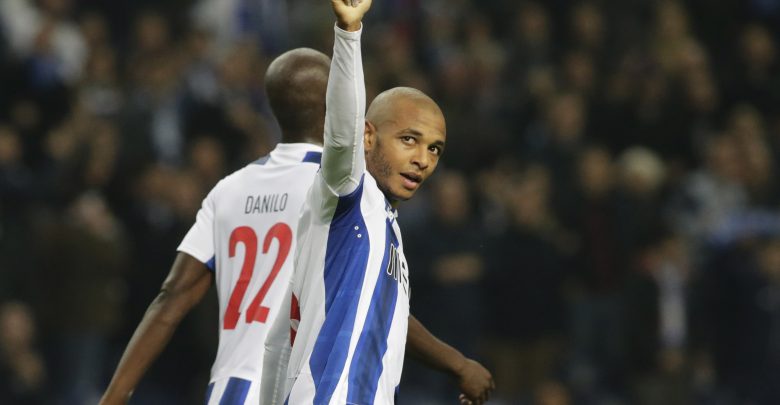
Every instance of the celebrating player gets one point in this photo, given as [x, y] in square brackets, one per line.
[243, 238]
[350, 287]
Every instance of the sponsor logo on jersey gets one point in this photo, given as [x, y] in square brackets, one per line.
[398, 269]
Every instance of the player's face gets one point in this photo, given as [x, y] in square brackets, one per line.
[401, 153]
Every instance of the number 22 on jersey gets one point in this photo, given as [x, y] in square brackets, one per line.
[255, 312]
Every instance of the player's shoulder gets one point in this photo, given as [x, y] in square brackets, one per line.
[275, 166]
[237, 180]
[230, 179]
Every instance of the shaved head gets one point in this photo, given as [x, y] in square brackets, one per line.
[404, 138]
[296, 83]
[388, 104]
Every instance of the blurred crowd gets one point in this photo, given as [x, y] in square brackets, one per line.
[605, 228]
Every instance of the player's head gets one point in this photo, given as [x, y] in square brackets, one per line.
[404, 138]
[296, 82]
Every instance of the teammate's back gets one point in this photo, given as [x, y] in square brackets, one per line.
[245, 233]
[243, 239]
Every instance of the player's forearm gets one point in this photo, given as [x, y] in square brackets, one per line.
[276, 358]
[343, 162]
[152, 335]
[429, 350]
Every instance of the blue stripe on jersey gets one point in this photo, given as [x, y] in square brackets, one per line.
[312, 157]
[346, 258]
[235, 391]
[212, 263]
[208, 392]
[367, 364]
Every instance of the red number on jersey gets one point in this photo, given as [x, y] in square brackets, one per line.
[283, 234]
[244, 234]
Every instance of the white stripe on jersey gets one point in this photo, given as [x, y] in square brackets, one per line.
[351, 279]
[244, 232]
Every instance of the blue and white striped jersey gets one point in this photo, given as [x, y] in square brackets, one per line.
[351, 281]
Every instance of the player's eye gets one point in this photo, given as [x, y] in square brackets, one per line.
[435, 149]
[407, 139]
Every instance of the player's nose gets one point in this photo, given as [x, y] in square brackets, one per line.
[421, 158]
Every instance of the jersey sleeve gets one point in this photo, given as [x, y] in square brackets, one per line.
[278, 346]
[199, 241]
[343, 160]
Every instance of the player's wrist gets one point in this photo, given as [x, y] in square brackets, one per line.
[349, 26]
[458, 365]
[349, 36]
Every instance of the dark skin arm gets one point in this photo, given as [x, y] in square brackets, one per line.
[474, 380]
[187, 283]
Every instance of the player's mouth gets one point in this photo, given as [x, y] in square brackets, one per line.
[411, 180]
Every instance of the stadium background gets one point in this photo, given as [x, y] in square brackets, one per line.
[605, 228]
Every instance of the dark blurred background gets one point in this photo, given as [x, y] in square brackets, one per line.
[605, 229]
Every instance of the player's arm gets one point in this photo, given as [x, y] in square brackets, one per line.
[187, 283]
[343, 162]
[474, 380]
[277, 354]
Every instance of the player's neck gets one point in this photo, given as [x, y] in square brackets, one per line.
[302, 139]
[390, 200]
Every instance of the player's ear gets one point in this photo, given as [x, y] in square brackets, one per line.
[369, 136]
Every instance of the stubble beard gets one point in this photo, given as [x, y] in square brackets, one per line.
[380, 168]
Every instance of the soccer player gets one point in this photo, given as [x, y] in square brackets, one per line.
[350, 287]
[243, 239]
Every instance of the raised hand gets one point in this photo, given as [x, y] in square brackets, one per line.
[349, 13]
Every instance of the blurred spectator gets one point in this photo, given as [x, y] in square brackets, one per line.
[552, 393]
[756, 75]
[597, 314]
[447, 253]
[84, 259]
[236, 111]
[153, 119]
[262, 22]
[599, 272]
[755, 155]
[657, 322]
[23, 374]
[207, 160]
[527, 263]
[16, 188]
[713, 194]
[588, 28]
[641, 185]
[744, 295]
[555, 140]
[532, 36]
[42, 34]
[201, 72]
[100, 89]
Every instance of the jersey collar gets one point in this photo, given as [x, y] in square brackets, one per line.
[292, 153]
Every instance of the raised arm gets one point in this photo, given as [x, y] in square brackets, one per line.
[185, 286]
[343, 162]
